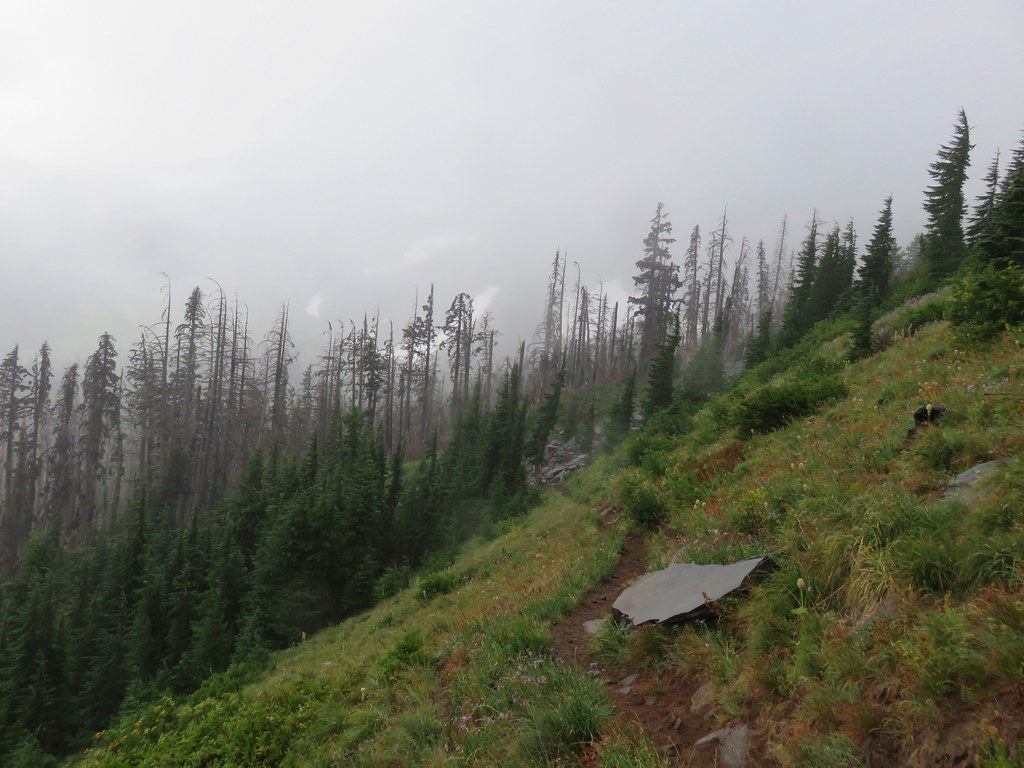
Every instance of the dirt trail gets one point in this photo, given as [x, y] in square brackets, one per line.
[658, 703]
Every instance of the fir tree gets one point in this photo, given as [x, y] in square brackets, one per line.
[545, 418]
[945, 204]
[795, 321]
[658, 281]
[705, 375]
[620, 415]
[659, 382]
[832, 280]
[1001, 243]
[979, 219]
[759, 346]
[874, 278]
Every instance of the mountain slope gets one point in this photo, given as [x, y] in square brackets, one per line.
[892, 631]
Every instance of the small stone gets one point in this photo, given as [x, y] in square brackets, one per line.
[628, 680]
[677, 724]
[625, 691]
[593, 626]
[732, 745]
[703, 698]
[650, 700]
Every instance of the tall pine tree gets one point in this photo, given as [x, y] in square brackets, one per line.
[945, 204]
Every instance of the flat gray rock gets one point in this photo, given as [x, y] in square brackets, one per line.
[968, 479]
[683, 591]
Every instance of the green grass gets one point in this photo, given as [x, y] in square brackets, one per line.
[889, 611]
[461, 676]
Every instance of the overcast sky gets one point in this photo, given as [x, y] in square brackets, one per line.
[340, 156]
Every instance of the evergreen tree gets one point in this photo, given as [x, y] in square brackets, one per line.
[14, 406]
[990, 298]
[863, 313]
[545, 418]
[796, 321]
[30, 650]
[760, 343]
[620, 415]
[833, 278]
[874, 278]
[659, 381]
[503, 473]
[979, 219]
[418, 518]
[658, 281]
[101, 410]
[705, 375]
[587, 425]
[1001, 243]
[945, 204]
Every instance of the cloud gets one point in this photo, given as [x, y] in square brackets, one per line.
[483, 299]
[313, 308]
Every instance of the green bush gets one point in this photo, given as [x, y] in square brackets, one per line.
[649, 451]
[408, 651]
[640, 498]
[775, 405]
[440, 583]
[988, 301]
[395, 579]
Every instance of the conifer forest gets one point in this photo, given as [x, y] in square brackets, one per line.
[181, 504]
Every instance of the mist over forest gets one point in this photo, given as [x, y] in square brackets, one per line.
[296, 302]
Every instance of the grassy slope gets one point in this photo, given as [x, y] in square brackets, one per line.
[910, 622]
[909, 628]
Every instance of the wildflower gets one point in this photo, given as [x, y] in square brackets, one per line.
[800, 583]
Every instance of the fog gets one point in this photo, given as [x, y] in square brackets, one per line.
[342, 156]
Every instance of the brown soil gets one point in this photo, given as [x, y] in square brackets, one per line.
[659, 704]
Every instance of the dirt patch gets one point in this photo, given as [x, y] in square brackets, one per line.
[660, 704]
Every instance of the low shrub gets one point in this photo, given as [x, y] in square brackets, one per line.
[775, 405]
[988, 301]
[395, 579]
[640, 498]
[440, 583]
[649, 452]
[408, 651]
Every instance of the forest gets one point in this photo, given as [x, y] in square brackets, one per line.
[176, 507]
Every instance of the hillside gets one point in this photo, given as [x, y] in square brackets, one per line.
[891, 631]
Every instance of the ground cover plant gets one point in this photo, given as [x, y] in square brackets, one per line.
[893, 615]
[464, 677]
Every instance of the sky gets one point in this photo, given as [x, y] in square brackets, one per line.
[339, 157]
